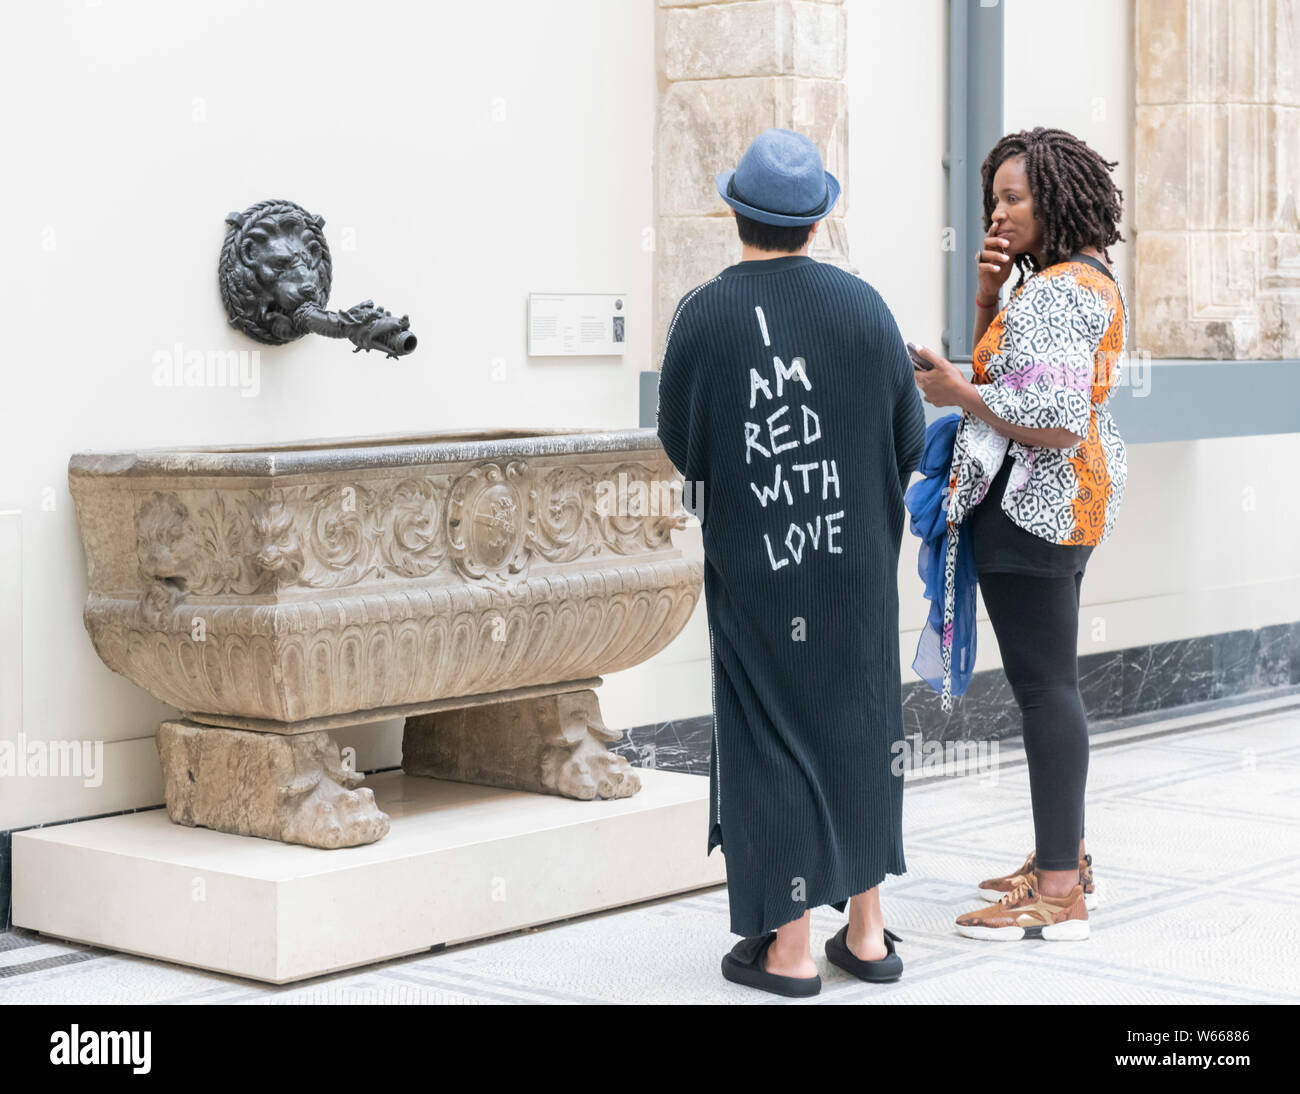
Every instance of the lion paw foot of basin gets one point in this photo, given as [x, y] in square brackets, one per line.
[549, 744]
[294, 789]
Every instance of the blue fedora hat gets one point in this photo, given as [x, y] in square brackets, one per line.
[780, 180]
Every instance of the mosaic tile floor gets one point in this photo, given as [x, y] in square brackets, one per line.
[1194, 832]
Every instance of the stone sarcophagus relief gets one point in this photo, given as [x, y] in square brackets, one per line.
[290, 589]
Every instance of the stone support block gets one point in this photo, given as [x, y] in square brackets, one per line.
[552, 744]
[295, 789]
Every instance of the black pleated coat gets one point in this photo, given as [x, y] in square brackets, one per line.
[786, 398]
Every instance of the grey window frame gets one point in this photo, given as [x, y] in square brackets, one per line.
[974, 96]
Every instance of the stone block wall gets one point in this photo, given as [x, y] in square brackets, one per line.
[1217, 262]
[728, 71]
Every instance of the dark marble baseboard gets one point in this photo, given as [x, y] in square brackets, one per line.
[680, 745]
[1119, 684]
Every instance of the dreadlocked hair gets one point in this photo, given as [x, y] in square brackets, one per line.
[1075, 199]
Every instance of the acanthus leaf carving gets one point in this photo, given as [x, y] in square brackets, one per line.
[637, 510]
[413, 542]
[489, 523]
[562, 525]
[342, 536]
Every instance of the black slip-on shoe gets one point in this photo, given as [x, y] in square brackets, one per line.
[884, 971]
[744, 965]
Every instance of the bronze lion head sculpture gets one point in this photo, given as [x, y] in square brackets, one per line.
[275, 283]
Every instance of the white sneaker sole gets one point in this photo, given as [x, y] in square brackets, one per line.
[1090, 901]
[1072, 930]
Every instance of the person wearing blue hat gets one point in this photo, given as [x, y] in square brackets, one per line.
[780, 181]
[788, 404]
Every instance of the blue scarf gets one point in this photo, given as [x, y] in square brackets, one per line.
[945, 654]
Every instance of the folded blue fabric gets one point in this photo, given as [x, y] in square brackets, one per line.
[927, 502]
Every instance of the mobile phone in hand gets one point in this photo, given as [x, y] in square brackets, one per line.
[917, 360]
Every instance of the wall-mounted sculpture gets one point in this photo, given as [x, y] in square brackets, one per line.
[275, 283]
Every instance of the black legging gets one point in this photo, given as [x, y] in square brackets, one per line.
[1036, 620]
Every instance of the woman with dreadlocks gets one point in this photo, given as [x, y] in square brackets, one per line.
[1037, 475]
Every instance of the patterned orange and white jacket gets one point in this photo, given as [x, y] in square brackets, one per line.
[1049, 360]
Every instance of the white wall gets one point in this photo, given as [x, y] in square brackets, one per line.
[135, 127]
[895, 76]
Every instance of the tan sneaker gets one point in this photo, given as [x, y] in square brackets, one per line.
[993, 888]
[1024, 912]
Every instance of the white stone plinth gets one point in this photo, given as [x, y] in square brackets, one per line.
[460, 862]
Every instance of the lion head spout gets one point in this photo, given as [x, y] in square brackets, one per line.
[274, 261]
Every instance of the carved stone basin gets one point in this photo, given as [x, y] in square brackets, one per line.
[290, 588]
[335, 577]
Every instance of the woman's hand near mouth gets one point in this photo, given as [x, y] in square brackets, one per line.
[994, 263]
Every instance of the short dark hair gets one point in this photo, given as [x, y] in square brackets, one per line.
[772, 237]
